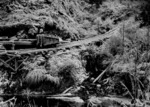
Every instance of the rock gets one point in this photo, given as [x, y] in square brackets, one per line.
[40, 60]
[98, 86]
[92, 79]
[33, 31]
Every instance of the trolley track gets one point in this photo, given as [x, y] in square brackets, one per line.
[14, 59]
[65, 45]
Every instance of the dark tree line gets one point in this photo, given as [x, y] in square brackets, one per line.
[145, 14]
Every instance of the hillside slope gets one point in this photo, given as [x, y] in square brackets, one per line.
[102, 63]
[65, 18]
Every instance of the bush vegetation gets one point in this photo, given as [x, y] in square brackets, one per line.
[129, 75]
[68, 19]
[58, 74]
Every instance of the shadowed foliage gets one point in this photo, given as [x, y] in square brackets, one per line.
[60, 73]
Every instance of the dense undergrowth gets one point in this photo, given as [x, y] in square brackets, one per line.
[65, 18]
[122, 61]
[129, 74]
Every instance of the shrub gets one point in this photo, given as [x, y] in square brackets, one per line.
[114, 45]
[59, 73]
[96, 60]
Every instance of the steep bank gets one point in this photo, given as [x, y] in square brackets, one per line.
[67, 19]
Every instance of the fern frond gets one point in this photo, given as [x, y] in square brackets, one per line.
[39, 75]
[35, 76]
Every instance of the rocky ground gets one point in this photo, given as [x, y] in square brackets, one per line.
[96, 71]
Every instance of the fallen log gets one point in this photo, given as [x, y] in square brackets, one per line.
[4, 102]
[37, 95]
[11, 30]
[68, 99]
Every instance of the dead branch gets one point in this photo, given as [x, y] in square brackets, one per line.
[67, 90]
[2, 103]
[127, 89]
[100, 76]
[69, 99]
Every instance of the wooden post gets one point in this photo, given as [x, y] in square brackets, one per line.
[135, 73]
[123, 38]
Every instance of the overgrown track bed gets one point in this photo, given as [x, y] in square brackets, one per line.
[66, 45]
[13, 59]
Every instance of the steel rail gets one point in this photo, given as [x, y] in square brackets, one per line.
[66, 45]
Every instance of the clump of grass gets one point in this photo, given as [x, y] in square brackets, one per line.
[59, 66]
[60, 72]
[39, 75]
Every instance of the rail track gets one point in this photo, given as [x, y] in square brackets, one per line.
[13, 59]
[65, 45]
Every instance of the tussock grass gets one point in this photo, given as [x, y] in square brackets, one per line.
[60, 72]
[39, 75]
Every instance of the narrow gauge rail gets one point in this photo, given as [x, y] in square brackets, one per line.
[14, 59]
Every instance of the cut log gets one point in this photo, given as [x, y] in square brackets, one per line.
[11, 30]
